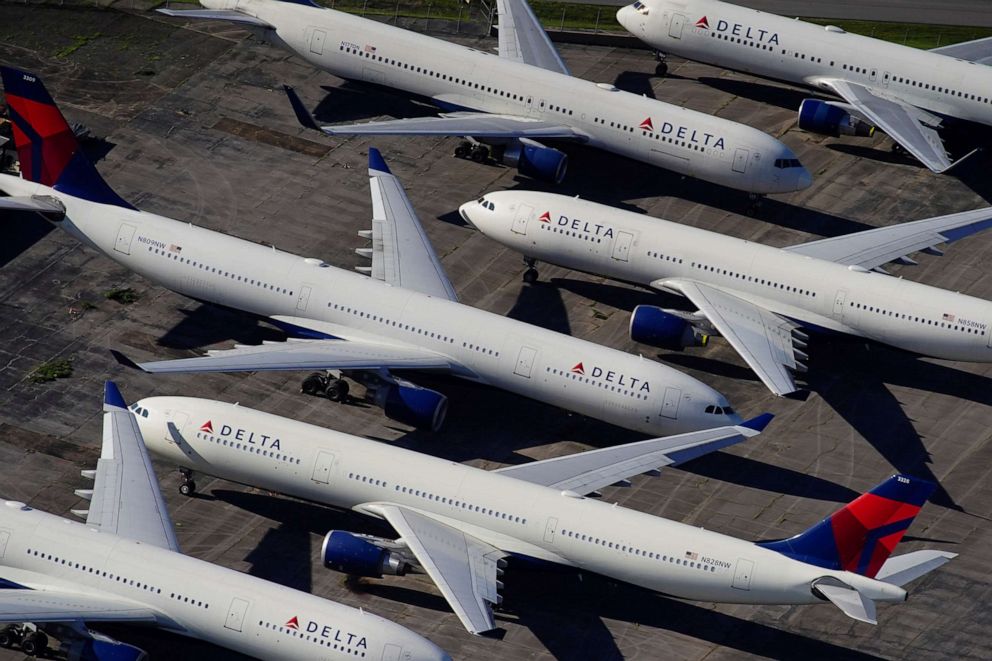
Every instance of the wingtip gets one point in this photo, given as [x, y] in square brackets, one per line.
[758, 423]
[125, 361]
[112, 395]
[377, 162]
[303, 115]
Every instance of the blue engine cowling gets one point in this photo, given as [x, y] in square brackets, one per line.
[345, 552]
[828, 119]
[535, 160]
[413, 405]
[654, 326]
[101, 648]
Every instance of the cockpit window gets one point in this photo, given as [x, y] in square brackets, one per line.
[719, 410]
[641, 7]
[785, 163]
[491, 206]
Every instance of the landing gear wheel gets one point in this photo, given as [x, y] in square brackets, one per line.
[463, 149]
[35, 644]
[187, 488]
[480, 153]
[898, 149]
[754, 204]
[10, 636]
[531, 275]
[314, 384]
[337, 390]
[661, 69]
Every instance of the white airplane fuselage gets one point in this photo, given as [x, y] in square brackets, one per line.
[610, 385]
[818, 293]
[794, 51]
[320, 465]
[461, 78]
[195, 598]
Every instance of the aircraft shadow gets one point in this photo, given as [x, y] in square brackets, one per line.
[164, 646]
[709, 365]
[353, 101]
[540, 304]
[871, 153]
[635, 82]
[618, 296]
[20, 232]
[209, 324]
[789, 98]
[283, 556]
[974, 173]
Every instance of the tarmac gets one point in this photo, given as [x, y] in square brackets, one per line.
[196, 127]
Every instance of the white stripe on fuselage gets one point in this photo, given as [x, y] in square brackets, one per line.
[516, 516]
[909, 315]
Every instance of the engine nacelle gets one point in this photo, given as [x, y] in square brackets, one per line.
[661, 328]
[535, 160]
[412, 405]
[349, 553]
[101, 648]
[827, 119]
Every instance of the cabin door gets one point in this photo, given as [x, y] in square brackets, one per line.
[670, 405]
[525, 362]
[524, 212]
[304, 299]
[740, 160]
[742, 574]
[4, 538]
[236, 614]
[550, 529]
[124, 237]
[322, 467]
[839, 298]
[675, 29]
[317, 42]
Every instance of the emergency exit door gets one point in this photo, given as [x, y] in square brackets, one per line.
[675, 29]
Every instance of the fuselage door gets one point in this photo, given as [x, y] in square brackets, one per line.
[550, 530]
[524, 212]
[304, 299]
[179, 419]
[525, 362]
[670, 405]
[322, 467]
[4, 538]
[317, 42]
[885, 79]
[236, 614]
[621, 246]
[742, 574]
[124, 237]
[391, 652]
[873, 75]
[675, 29]
[839, 299]
[740, 160]
[988, 334]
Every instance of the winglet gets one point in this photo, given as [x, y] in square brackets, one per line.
[377, 162]
[112, 396]
[303, 115]
[758, 423]
[125, 361]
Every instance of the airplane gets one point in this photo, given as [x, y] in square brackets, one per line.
[510, 102]
[123, 565]
[400, 315]
[764, 301]
[463, 526]
[919, 98]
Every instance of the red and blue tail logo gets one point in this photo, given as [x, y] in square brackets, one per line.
[46, 147]
[860, 537]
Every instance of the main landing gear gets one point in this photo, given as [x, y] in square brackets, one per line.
[187, 486]
[328, 384]
[475, 151]
[531, 274]
[661, 69]
[31, 641]
[754, 203]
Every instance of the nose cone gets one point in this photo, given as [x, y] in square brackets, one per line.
[803, 179]
[624, 17]
[465, 211]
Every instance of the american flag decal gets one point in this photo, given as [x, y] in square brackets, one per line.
[174, 248]
[948, 317]
[691, 555]
[369, 48]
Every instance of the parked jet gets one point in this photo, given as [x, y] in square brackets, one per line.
[763, 300]
[459, 524]
[913, 95]
[123, 565]
[404, 317]
[507, 103]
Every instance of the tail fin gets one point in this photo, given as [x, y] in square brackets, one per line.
[860, 536]
[48, 151]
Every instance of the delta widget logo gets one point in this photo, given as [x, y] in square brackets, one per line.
[647, 125]
[578, 369]
[208, 427]
[545, 217]
[294, 623]
[703, 23]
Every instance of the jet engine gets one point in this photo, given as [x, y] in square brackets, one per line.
[535, 160]
[106, 649]
[668, 329]
[831, 119]
[357, 554]
[412, 405]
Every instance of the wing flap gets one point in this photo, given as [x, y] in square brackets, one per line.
[126, 499]
[873, 248]
[522, 38]
[402, 255]
[480, 125]
[762, 338]
[586, 472]
[50, 605]
[463, 568]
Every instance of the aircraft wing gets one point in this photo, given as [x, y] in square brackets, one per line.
[978, 51]
[586, 472]
[229, 15]
[24, 604]
[463, 568]
[523, 38]
[402, 254]
[126, 500]
[911, 127]
[301, 355]
[872, 248]
[762, 338]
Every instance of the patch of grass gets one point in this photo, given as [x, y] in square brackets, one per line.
[58, 368]
[78, 41]
[122, 295]
[909, 34]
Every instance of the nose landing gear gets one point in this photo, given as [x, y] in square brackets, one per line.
[531, 274]
[187, 487]
[755, 201]
[661, 69]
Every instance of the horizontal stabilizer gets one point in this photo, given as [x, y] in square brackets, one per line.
[902, 569]
[850, 601]
[228, 15]
[50, 206]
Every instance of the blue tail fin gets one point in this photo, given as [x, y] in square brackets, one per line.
[860, 536]
[48, 151]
